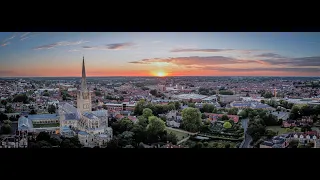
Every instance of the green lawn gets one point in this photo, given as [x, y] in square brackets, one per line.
[46, 125]
[179, 134]
[278, 129]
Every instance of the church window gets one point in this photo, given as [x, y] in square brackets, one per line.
[92, 139]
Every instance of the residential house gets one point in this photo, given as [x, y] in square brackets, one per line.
[214, 117]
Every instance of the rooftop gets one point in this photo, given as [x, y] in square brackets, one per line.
[71, 116]
[42, 116]
[83, 133]
[89, 115]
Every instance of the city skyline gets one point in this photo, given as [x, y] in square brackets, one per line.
[55, 54]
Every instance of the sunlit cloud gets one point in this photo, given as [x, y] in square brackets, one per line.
[116, 46]
[5, 44]
[61, 43]
[197, 60]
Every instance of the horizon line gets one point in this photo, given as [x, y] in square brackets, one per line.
[149, 76]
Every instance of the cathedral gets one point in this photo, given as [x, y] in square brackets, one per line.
[91, 127]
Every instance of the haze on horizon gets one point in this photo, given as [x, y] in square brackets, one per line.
[59, 54]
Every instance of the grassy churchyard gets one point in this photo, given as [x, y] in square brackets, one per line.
[180, 135]
[46, 125]
[282, 130]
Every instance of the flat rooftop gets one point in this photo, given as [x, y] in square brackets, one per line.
[190, 96]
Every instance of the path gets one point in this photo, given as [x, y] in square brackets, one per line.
[180, 130]
[183, 140]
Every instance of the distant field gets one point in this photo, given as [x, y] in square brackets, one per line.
[179, 134]
[45, 125]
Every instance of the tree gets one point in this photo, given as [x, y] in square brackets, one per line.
[64, 97]
[140, 134]
[227, 145]
[125, 138]
[224, 92]
[44, 144]
[155, 126]
[147, 112]
[4, 102]
[9, 109]
[208, 108]
[227, 125]
[205, 144]
[191, 119]
[224, 117]
[142, 121]
[43, 136]
[139, 107]
[154, 92]
[125, 125]
[190, 104]
[98, 93]
[198, 145]
[20, 98]
[177, 105]
[295, 112]
[233, 111]
[113, 143]
[52, 109]
[6, 129]
[46, 94]
[129, 146]
[268, 95]
[33, 111]
[262, 101]
[172, 138]
[3, 117]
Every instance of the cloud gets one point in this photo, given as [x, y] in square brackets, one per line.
[156, 42]
[199, 61]
[5, 72]
[23, 35]
[116, 46]
[27, 35]
[200, 50]
[62, 43]
[262, 69]
[212, 50]
[5, 44]
[270, 55]
[298, 62]
[73, 50]
[9, 38]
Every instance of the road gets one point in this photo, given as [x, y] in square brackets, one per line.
[247, 138]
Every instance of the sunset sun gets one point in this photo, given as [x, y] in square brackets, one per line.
[160, 74]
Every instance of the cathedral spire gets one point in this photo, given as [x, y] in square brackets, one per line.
[83, 79]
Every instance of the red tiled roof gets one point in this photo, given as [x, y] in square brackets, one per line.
[119, 116]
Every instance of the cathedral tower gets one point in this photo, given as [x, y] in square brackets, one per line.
[84, 96]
